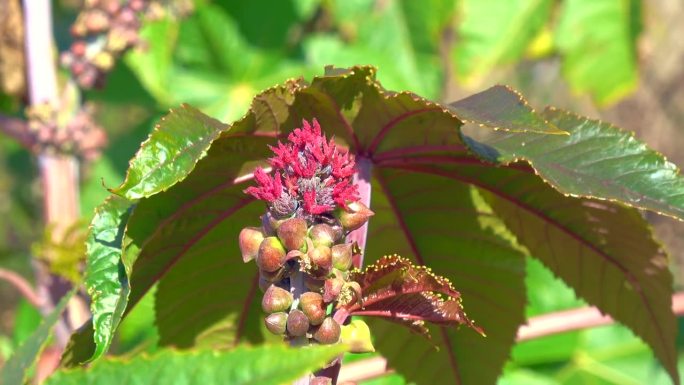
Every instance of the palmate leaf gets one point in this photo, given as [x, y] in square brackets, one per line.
[399, 291]
[264, 365]
[183, 237]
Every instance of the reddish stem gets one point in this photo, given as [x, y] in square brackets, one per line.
[22, 285]
[362, 178]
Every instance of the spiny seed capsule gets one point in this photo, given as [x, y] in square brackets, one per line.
[312, 305]
[297, 323]
[292, 233]
[276, 323]
[322, 234]
[271, 255]
[321, 256]
[355, 216]
[250, 239]
[342, 256]
[276, 299]
[329, 332]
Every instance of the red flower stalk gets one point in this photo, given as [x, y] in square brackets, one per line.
[311, 176]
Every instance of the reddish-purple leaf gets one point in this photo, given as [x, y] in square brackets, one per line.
[411, 295]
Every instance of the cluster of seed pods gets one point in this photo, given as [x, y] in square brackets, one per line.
[318, 251]
[102, 32]
[80, 135]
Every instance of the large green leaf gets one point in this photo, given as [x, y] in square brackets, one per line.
[493, 32]
[15, 370]
[598, 42]
[183, 237]
[264, 365]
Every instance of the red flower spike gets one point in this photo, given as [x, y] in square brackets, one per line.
[311, 175]
[270, 188]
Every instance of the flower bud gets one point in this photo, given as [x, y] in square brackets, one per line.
[250, 239]
[357, 336]
[322, 234]
[297, 323]
[276, 299]
[276, 323]
[312, 305]
[292, 233]
[329, 332]
[342, 256]
[271, 255]
[355, 216]
[332, 288]
[321, 256]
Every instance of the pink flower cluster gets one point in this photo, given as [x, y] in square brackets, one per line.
[310, 175]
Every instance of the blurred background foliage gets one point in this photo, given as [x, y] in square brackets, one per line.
[619, 60]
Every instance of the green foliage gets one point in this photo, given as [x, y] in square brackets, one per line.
[607, 29]
[495, 32]
[264, 365]
[15, 370]
[435, 200]
[596, 41]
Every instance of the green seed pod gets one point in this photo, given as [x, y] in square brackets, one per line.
[357, 336]
[342, 256]
[271, 255]
[355, 216]
[276, 323]
[250, 239]
[297, 323]
[329, 332]
[322, 234]
[312, 305]
[276, 299]
[292, 233]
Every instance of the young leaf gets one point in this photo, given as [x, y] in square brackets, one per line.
[15, 370]
[396, 289]
[263, 365]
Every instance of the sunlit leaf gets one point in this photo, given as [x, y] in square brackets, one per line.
[264, 365]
